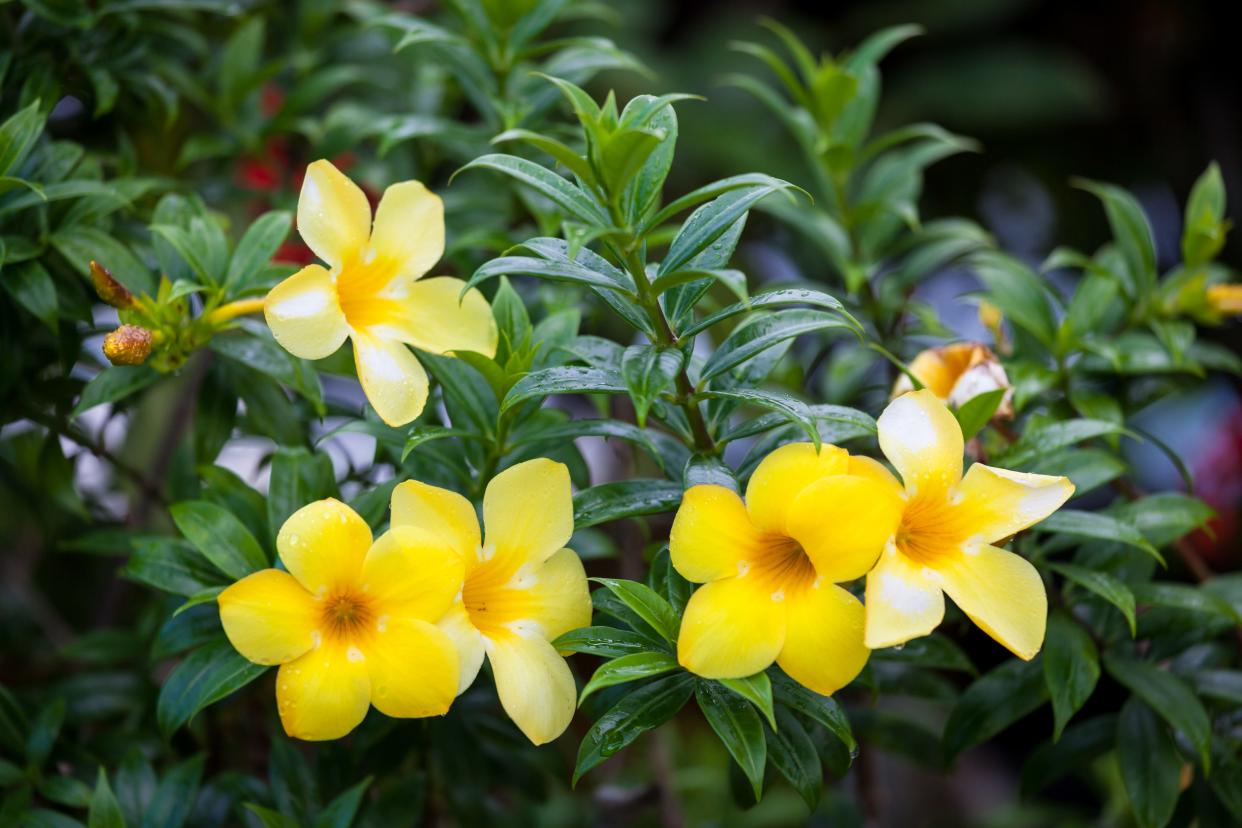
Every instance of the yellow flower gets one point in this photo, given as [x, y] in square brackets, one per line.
[949, 523]
[1225, 299]
[957, 373]
[522, 587]
[351, 623]
[771, 566]
[373, 292]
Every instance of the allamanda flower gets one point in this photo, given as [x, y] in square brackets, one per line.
[949, 523]
[351, 623]
[373, 291]
[522, 587]
[1225, 299]
[771, 565]
[959, 372]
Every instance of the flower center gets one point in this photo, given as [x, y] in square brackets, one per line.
[360, 289]
[496, 593]
[931, 529]
[782, 567]
[347, 615]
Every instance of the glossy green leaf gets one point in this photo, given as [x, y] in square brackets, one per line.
[646, 604]
[1169, 696]
[220, 537]
[1102, 584]
[207, 675]
[647, 707]
[1071, 667]
[628, 668]
[993, 703]
[739, 727]
[1150, 764]
[624, 499]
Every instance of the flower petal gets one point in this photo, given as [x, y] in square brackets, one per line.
[468, 642]
[843, 523]
[412, 573]
[1000, 502]
[1003, 594]
[325, 693]
[535, 685]
[863, 466]
[409, 228]
[712, 534]
[782, 475]
[435, 317]
[268, 617]
[334, 216]
[731, 629]
[920, 437]
[560, 600]
[413, 668]
[824, 648]
[392, 378]
[443, 513]
[323, 545]
[528, 511]
[902, 601]
[304, 314]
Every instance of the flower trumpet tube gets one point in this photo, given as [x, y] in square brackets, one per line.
[771, 566]
[522, 587]
[945, 541]
[352, 623]
[373, 292]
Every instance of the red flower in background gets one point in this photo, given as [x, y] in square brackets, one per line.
[1218, 481]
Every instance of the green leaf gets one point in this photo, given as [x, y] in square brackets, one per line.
[220, 537]
[751, 181]
[1167, 695]
[647, 371]
[206, 596]
[1205, 226]
[31, 285]
[1019, 292]
[1131, 231]
[1096, 525]
[18, 135]
[263, 354]
[1185, 597]
[565, 195]
[341, 811]
[1087, 468]
[993, 703]
[43, 732]
[1071, 667]
[1167, 516]
[647, 707]
[756, 689]
[105, 811]
[589, 428]
[710, 221]
[764, 331]
[571, 160]
[298, 477]
[606, 642]
[624, 499]
[1078, 746]
[643, 192]
[628, 668]
[645, 603]
[172, 566]
[934, 650]
[192, 248]
[207, 675]
[793, 754]
[976, 412]
[114, 383]
[790, 408]
[256, 248]
[822, 709]
[1102, 584]
[430, 433]
[175, 796]
[563, 379]
[1150, 764]
[739, 728]
[571, 272]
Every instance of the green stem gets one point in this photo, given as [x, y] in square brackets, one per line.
[664, 334]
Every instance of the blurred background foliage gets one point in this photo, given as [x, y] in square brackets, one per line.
[155, 136]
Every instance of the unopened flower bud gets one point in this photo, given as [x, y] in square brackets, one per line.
[958, 373]
[128, 345]
[108, 288]
[1225, 299]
